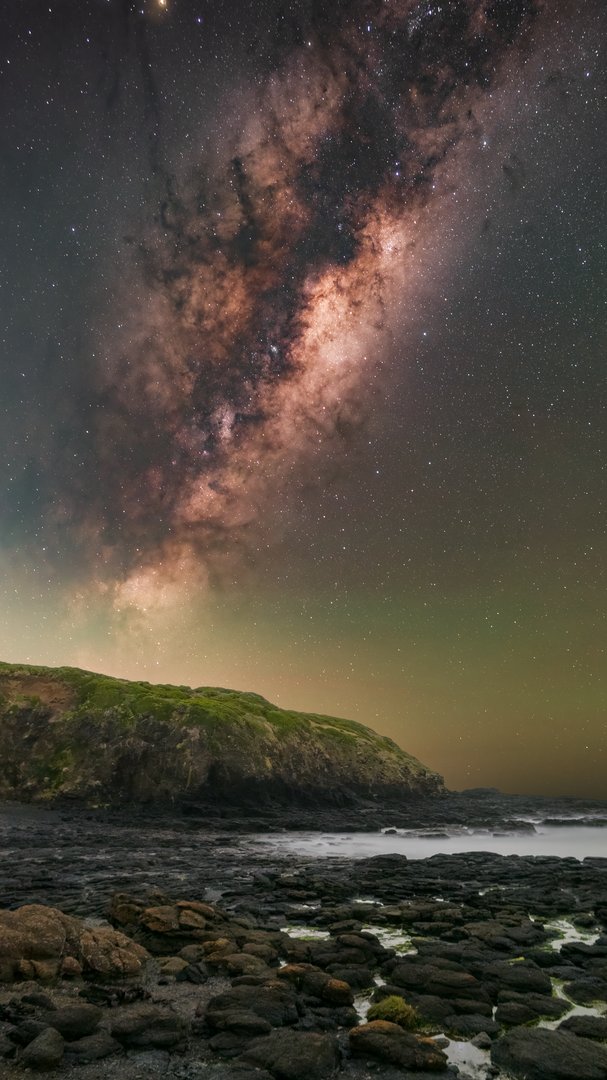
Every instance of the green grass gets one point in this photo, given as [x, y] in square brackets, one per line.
[204, 705]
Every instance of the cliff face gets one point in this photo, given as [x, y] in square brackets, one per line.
[104, 741]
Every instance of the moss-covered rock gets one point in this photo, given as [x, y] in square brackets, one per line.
[67, 732]
[397, 1011]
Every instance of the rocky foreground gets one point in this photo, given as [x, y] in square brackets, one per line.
[309, 970]
[98, 741]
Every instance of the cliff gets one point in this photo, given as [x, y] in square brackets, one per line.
[104, 741]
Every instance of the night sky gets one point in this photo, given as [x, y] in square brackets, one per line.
[303, 328]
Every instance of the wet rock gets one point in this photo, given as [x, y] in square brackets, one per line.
[301, 1056]
[540, 1054]
[361, 978]
[532, 1006]
[465, 1027]
[311, 980]
[74, 1021]
[522, 976]
[274, 1001]
[229, 1044]
[38, 1000]
[7, 1047]
[262, 951]
[444, 979]
[92, 1048]
[514, 1013]
[26, 1031]
[482, 1041]
[242, 1023]
[148, 1025]
[389, 1043]
[44, 1052]
[241, 964]
[589, 1027]
[587, 991]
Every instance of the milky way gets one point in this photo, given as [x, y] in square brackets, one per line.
[259, 300]
[302, 362]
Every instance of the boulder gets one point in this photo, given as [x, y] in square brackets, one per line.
[391, 1044]
[316, 983]
[589, 1027]
[92, 1048]
[38, 942]
[466, 1027]
[273, 1001]
[171, 966]
[301, 1056]
[242, 1023]
[522, 975]
[44, 1052]
[541, 1054]
[74, 1021]
[147, 1025]
[586, 991]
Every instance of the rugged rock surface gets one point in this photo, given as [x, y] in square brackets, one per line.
[256, 989]
[388, 1043]
[103, 741]
[38, 942]
[537, 1054]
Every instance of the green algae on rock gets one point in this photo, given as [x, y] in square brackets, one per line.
[105, 741]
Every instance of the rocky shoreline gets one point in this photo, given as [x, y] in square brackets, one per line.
[175, 952]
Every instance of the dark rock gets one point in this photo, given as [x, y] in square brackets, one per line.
[540, 1054]
[301, 1056]
[229, 1044]
[74, 1021]
[586, 991]
[590, 1027]
[25, 1032]
[38, 1000]
[465, 1027]
[523, 976]
[311, 980]
[92, 1047]
[389, 1043]
[514, 1013]
[482, 1041]
[147, 1025]
[528, 1007]
[359, 977]
[274, 1001]
[242, 1023]
[8, 1048]
[44, 1052]
[447, 980]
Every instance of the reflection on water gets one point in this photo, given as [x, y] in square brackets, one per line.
[563, 841]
